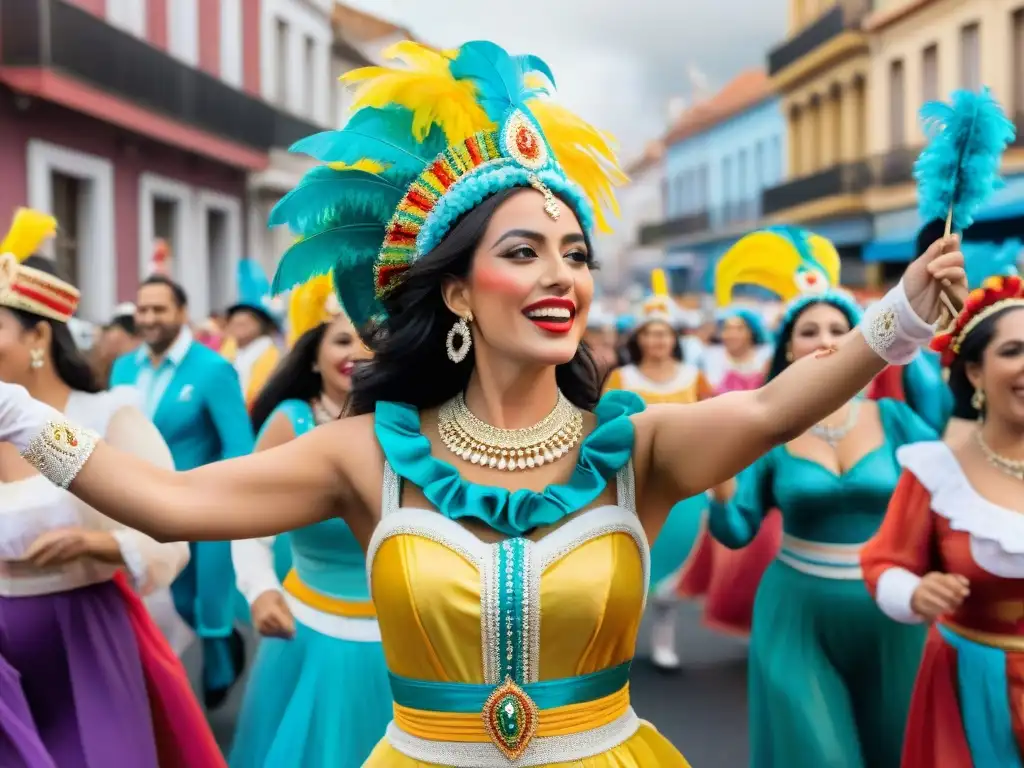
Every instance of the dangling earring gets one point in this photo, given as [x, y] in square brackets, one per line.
[460, 329]
[978, 401]
[37, 359]
[789, 356]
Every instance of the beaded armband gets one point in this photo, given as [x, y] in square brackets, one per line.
[893, 329]
[59, 451]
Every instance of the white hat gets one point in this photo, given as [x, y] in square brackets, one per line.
[124, 309]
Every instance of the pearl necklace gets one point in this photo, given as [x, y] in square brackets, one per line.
[834, 435]
[474, 441]
[1011, 467]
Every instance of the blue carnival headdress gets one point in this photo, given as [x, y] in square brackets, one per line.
[752, 319]
[985, 260]
[254, 293]
[788, 261]
[425, 144]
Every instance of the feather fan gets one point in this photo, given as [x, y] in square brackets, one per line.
[959, 168]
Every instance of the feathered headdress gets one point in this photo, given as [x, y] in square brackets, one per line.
[985, 260]
[310, 305]
[254, 293]
[426, 143]
[788, 261]
[27, 289]
[995, 294]
[659, 305]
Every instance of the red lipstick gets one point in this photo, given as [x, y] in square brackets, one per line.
[553, 315]
[346, 368]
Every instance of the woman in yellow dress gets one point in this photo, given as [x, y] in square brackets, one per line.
[504, 505]
[659, 375]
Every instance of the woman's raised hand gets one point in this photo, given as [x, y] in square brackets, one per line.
[940, 269]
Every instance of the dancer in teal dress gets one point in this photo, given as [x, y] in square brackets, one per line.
[318, 695]
[830, 676]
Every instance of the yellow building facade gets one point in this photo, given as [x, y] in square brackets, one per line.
[821, 72]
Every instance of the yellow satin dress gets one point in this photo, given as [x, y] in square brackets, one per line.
[437, 589]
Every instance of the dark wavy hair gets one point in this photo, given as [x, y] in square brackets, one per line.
[293, 379]
[71, 364]
[971, 351]
[633, 343]
[779, 362]
[409, 363]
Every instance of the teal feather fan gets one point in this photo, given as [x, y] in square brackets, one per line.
[958, 170]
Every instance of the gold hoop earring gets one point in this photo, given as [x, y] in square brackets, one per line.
[978, 400]
[37, 359]
[461, 330]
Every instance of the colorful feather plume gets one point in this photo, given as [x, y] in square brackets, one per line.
[959, 168]
[28, 231]
[424, 144]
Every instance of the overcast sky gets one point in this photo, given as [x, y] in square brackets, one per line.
[618, 62]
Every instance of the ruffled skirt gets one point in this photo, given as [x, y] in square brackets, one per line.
[312, 702]
[644, 749]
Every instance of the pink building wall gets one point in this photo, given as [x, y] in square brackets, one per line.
[131, 155]
[251, 14]
[156, 23]
[96, 7]
[209, 36]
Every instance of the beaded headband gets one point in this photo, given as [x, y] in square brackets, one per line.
[996, 293]
[28, 289]
[425, 144]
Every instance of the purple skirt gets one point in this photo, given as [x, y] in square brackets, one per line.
[72, 693]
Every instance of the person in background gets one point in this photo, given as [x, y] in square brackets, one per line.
[602, 339]
[318, 694]
[252, 324]
[192, 395]
[116, 338]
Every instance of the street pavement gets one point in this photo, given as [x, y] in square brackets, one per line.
[702, 709]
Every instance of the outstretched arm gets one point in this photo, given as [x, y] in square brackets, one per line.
[734, 429]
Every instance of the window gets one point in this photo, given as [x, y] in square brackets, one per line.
[218, 266]
[183, 30]
[231, 42]
[165, 226]
[1017, 57]
[128, 15]
[930, 73]
[67, 209]
[741, 176]
[281, 82]
[776, 160]
[897, 105]
[678, 196]
[759, 169]
[309, 76]
[970, 57]
[702, 186]
[727, 191]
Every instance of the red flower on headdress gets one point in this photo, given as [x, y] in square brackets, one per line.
[993, 290]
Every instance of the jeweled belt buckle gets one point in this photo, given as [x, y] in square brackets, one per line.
[510, 718]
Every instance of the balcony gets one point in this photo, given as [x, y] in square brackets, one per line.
[894, 167]
[841, 17]
[688, 224]
[847, 179]
[54, 35]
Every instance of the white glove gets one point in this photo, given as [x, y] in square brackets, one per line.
[21, 417]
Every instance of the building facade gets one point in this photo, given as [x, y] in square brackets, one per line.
[622, 257]
[719, 157]
[821, 73]
[922, 51]
[138, 121]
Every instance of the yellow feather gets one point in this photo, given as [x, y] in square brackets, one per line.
[659, 282]
[28, 231]
[427, 89]
[585, 154]
[366, 164]
[306, 306]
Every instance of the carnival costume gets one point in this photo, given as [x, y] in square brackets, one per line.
[256, 361]
[684, 525]
[88, 679]
[829, 675]
[968, 704]
[500, 653]
[787, 261]
[322, 697]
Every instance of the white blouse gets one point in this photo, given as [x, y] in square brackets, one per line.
[30, 507]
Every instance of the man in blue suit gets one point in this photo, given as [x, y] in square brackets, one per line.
[193, 396]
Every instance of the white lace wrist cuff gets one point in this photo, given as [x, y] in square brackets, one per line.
[133, 560]
[894, 592]
[59, 450]
[893, 329]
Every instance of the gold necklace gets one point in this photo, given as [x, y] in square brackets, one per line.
[1011, 467]
[474, 441]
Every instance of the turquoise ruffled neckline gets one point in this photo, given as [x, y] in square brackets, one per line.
[602, 453]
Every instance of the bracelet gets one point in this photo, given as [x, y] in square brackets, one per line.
[59, 451]
[893, 329]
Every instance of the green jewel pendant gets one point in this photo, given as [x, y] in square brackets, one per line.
[510, 718]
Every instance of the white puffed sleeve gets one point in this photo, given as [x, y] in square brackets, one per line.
[151, 564]
[254, 567]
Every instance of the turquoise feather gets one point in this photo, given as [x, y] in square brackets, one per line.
[357, 292]
[318, 254]
[325, 195]
[498, 77]
[958, 170]
[985, 260]
[384, 135]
